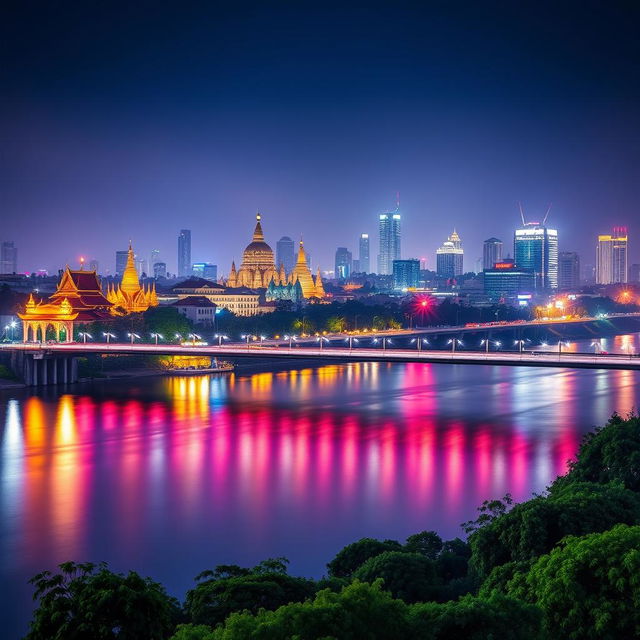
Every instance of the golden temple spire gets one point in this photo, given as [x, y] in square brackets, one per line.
[130, 283]
[258, 235]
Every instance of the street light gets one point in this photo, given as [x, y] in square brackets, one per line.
[85, 335]
[133, 336]
[597, 346]
[220, 338]
[419, 342]
[156, 336]
[560, 343]
[384, 342]
[247, 337]
[351, 340]
[194, 337]
[453, 343]
[291, 340]
[178, 337]
[520, 344]
[12, 325]
[108, 336]
[262, 338]
[487, 342]
[321, 340]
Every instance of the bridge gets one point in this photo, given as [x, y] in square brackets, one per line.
[43, 364]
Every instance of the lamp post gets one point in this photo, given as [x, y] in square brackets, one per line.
[560, 343]
[13, 324]
[108, 336]
[384, 342]
[85, 335]
[597, 346]
[453, 343]
[247, 337]
[220, 338]
[156, 336]
[134, 337]
[291, 340]
[520, 344]
[321, 340]
[351, 340]
[194, 337]
[419, 342]
[178, 337]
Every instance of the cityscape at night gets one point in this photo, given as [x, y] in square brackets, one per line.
[320, 321]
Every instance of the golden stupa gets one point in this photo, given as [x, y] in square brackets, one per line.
[258, 268]
[129, 296]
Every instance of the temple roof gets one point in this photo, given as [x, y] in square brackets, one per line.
[194, 301]
[81, 288]
[196, 283]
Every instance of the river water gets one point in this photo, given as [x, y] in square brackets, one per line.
[170, 476]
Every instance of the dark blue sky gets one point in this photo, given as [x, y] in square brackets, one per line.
[126, 121]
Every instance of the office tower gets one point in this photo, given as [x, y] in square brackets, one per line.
[184, 253]
[285, 254]
[206, 270]
[634, 273]
[450, 257]
[406, 274]
[154, 257]
[568, 270]
[506, 281]
[389, 230]
[611, 257]
[355, 266]
[343, 263]
[121, 261]
[160, 270]
[8, 257]
[492, 253]
[93, 266]
[363, 257]
[141, 266]
[535, 247]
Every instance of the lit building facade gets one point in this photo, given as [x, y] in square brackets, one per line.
[611, 257]
[8, 257]
[205, 270]
[491, 253]
[364, 260]
[285, 253]
[184, 253]
[450, 257]
[343, 263]
[160, 270]
[121, 261]
[535, 248]
[406, 274]
[389, 228]
[568, 270]
[505, 282]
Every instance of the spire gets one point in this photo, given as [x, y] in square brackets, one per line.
[130, 283]
[258, 235]
[302, 258]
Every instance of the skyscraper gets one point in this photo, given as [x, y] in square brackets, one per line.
[160, 270]
[611, 257]
[285, 254]
[184, 253]
[450, 257]
[121, 261]
[568, 270]
[8, 257]
[492, 253]
[389, 229]
[535, 247]
[364, 263]
[343, 263]
[406, 274]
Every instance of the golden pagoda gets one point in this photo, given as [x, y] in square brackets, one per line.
[258, 269]
[129, 296]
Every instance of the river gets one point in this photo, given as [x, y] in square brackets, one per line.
[171, 476]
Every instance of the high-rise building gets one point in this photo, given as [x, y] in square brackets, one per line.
[355, 266]
[285, 254]
[8, 257]
[364, 262]
[611, 257]
[343, 263]
[389, 229]
[506, 281]
[634, 273]
[184, 253]
[450, 257]
[121, 261]
[154, 257]
[568, 270]
[492, 253]
[206, 270]
[160, 270]
[535, 247]
[93, 265]
[406, 274]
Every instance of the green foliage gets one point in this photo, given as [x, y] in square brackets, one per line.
[589, 588]
[230, 588]
[336, 324]
[409, 576]
[470, 618]
[166, 321]
[533, 528]
[89, 602]
[427, 543]
[609, 454]
[353, 555]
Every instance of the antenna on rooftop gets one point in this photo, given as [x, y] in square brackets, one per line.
[546, 215]
[397, 199]
[521, 213]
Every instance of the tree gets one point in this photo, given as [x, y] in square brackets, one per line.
[427, 543]
[89, 602]
[358, 612]
[336, 324]
[472, 618]
[533, 528]
[230, 588]
[608, 454]
[588, 588]
[167, 321]
[408, 576]
[349, 558]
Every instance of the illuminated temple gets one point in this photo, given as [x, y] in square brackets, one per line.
[129, 296]
[258, 271]
[79, 299]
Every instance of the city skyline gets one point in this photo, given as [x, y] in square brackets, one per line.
[111, 153]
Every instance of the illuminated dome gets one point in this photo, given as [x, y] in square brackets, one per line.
[258, 253]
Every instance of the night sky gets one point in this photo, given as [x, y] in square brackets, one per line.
[123, 121]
